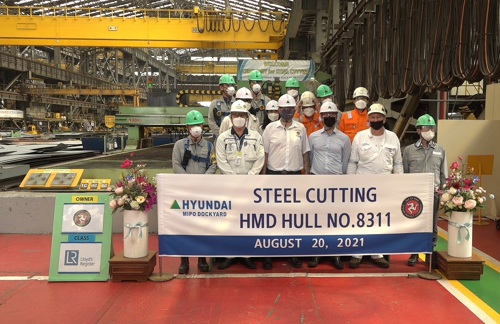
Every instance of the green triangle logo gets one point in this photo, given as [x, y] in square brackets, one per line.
[175, 205]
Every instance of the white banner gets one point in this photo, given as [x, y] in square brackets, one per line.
[294, 215]
[283, 69]
[9, 113]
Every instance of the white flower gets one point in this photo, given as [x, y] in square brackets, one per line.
[446, 197]
[119, 190]
[480, 200]
[452, 191]
[134, 204]
[492, 196]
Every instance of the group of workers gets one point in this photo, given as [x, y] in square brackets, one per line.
[302, 134]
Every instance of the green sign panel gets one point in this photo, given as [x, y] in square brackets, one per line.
[81, 238]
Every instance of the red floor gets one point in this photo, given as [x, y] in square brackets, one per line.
[296, 296]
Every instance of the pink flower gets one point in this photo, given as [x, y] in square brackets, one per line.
[470, 204]
[113, 204]
[127, 164]
[458, 200]
[119, 190]
[455, 166]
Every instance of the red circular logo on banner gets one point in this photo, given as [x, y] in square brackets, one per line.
[412, 207]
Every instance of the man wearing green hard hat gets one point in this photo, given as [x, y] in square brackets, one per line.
[194, 155]
[426, 156]
[220, 108]
[260, 100]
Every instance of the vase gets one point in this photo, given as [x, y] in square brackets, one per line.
[135, 234]
[460, 235]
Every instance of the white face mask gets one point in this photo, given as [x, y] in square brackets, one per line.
[292, 92]
[273, 116]
[231, 91]
[256, 88]
[360, 104]
[239, 121]
[308, 111]
[428, 136]
[195, 131]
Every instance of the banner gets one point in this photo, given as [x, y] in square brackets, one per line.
[294, 215]
[302, 70]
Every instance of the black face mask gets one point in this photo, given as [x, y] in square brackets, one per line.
[329, 121]
[377, 125]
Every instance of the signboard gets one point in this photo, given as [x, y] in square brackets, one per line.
[9, 113]
[302, 70]
[51, 178]
[81, 238]
[294, 215]
[109, 121]
[95, 184]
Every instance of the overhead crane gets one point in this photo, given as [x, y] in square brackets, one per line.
[145, 28]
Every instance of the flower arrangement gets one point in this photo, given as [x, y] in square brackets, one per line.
[461, 192]
[134, 190]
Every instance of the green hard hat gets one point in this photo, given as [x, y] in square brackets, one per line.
[194, 117]
[292, 83]
[426, 120]
[323, 91]
[255, 75]
[226, 79]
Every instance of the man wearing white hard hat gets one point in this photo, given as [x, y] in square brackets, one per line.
[330, 152]
[244, 95]
[239, 150]
[356, 120]
[287, 150]
[375, 150]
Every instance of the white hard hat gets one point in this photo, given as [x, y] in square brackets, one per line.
[272, 105]
[307, 102]
[377, 108]
[243, 93]
[307, 94]
[286, 101]
[360, 92]
[328, 106]
[239, 106]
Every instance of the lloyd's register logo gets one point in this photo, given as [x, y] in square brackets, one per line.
[71, 257]
[203, 208]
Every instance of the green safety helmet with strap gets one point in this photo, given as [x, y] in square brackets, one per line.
[292, 83]
[426, 120]
[324, 91]
[255, 75]
[226, 79]
[194, 117]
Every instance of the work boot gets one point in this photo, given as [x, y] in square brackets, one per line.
[184, 267]
[203, 265]
[225, 264]
[381, 262]
[337, 263]
[268, 264]
[413, 260]
[354, 262]
[247, 262]
[295, 262]
[313, 263]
